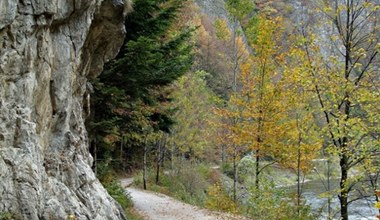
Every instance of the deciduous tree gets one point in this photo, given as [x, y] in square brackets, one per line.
[343, 68]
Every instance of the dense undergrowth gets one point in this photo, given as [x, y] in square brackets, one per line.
[109, 179]
[8, 216]
[207, 187]
[188, 183]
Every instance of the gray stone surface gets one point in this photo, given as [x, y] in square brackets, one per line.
[48, 49]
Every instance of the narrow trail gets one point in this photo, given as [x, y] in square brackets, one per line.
[155, 206]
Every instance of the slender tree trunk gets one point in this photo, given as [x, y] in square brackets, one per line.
[158, 163]
[344, 154]
[163, 152]
[145, 164]
[260, 125]
[259, 143]
[121, 152]
[329, 211]
[373, 182]
[158, 174]
[298, 179]
[223, 154]
[235, 175]
[235, 55]
[172, 155]
[95, 157]
[344, 166]
[377, 199]
[343, 197]
[257, 171]
[299, 155]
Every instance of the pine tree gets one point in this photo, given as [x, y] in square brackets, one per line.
[129, 98]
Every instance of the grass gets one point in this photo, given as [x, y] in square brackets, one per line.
[109, 180]
[187, 182]
[8, 216]
[200, 185]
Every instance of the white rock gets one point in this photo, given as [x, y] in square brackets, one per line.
[48, 49]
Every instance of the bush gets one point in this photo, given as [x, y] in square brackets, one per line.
[186, 184]
[219, 200]
[105, 173]
[8, 216]
[269, 202]
[117, 192]
[228, 170]
[108, 178]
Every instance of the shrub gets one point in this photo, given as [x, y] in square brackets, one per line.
[215, 176]
[269, 202]
[108, 178]
[105, 173]
[186, 184]
[8, 216]
[228, 170]
[116, 191]
[219, 200]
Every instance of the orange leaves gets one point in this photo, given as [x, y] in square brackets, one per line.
[270, 113]
[251, 120]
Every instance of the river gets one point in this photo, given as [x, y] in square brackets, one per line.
[359, 210]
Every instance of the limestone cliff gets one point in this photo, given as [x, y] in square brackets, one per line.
[48, 48]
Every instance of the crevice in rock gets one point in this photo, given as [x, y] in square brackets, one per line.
[45, 147]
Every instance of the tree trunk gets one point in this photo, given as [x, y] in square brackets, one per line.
[158, 162]
[298, 179]
[121, 153]
[343, 197]
[145, 165]
[223, 154]
[299, 157]
[158, 173]
[259, 141]
[329, 188]
[257, 172]
[235, 176]
[95, 158]
[235, 55]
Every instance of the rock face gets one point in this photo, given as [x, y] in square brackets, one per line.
[48, 49]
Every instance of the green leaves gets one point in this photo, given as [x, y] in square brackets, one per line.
[240, 8]
[131, 96]
[193, 100]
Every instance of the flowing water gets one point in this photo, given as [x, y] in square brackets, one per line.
[362, 209]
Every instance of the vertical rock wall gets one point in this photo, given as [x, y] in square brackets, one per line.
[48, 48]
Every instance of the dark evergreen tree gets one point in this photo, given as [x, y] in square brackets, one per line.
[129, 95]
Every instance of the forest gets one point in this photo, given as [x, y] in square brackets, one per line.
[264, 109]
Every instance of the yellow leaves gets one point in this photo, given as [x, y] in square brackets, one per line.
[222, 30]
[71, 217]
[371, 6]
[328, 9]
[358, 66]
[377, 205]
[361, 53]
[271, 112]
[368, 4]
[377, 47]
[269, 33]
[219, 200]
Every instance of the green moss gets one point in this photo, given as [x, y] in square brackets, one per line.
[8, 216]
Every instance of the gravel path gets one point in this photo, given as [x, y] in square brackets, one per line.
[155, 206]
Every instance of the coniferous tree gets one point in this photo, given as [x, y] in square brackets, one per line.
[129, 98]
